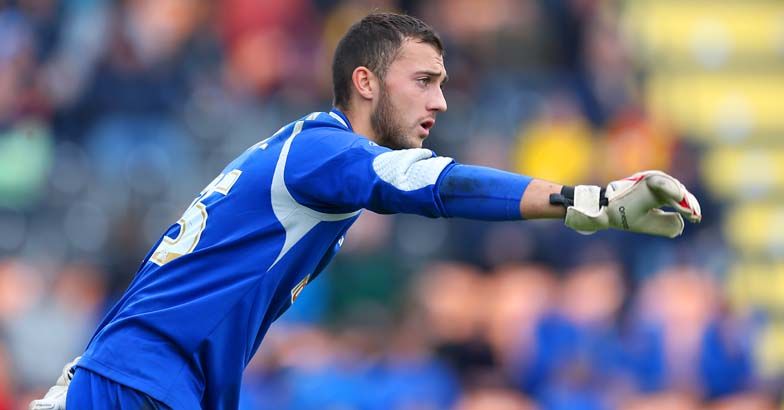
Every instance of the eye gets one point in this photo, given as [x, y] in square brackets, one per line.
[424, 81]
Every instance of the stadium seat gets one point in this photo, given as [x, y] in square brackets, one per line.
[759, 287]
[756, 285]
[718, 107]
[744, 173]
[756, 229]
[706, 34]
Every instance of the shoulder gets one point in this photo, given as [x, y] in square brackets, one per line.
[323, 134]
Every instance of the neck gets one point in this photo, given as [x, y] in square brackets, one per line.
[359, 117]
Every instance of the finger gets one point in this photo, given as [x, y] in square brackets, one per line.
[660, 223]
[665, 187]
[689, 207]
[583, 223]
[676, 195]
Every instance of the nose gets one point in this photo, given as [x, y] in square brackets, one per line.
[437, 102]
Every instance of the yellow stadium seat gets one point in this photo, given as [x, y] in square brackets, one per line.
[760, 285]
[756, 228]
[705, 33]
[744, 173]
[715, 73]
[769, 350]
[756, 285]
[719, 107]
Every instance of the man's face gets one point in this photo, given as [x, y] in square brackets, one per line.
[410, 97]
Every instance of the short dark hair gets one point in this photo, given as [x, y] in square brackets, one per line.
[374, 42]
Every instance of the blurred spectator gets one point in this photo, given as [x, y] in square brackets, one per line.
[6, 380]
[352, 369]
[635, 142]
[270, 46]
[559, 145]
[683, 339]
[666, 401]
[409, 376]
[114, 114]
[577, 357]
[482, 32]
[452, 298]
[17, 64]
[749, 401]
[495, 399]
[607, 65]
[336, 21]
[519, 298]
[25, 160]
[366, 276]
[144, 69]
[66, 314]
[21, 286]
[81, 41]
[25, 140]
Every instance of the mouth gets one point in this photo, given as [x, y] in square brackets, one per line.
[426, 125]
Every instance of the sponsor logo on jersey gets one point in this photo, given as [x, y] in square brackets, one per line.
[298, 289]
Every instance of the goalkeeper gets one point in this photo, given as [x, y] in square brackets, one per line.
[206, 293]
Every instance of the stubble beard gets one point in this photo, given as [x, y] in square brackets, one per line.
[386, 124]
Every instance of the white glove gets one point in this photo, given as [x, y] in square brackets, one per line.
[633, 205]
[55, 397]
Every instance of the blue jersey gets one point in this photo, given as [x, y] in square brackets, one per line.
[242, 252]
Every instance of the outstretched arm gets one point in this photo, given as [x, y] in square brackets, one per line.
[535, 203]
[341, 172]
[475, 192]
[631, 204]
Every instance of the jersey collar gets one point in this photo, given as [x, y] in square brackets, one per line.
[343, 116]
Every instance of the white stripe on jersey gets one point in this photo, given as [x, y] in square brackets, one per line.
[297, 220]
[337, 117]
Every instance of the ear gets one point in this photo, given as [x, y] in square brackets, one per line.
[365, 82]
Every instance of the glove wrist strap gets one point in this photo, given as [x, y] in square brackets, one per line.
[567, 196]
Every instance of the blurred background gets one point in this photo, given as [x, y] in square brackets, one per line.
[114, 114]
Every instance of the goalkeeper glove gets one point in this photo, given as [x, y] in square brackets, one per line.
[55, 397]
[631, 204]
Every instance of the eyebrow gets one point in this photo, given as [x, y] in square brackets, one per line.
[434, 74]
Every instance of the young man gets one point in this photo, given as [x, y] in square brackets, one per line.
[207, 292]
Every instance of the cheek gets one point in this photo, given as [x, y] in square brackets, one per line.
[399, 104]
[407, 102]
[412, 103]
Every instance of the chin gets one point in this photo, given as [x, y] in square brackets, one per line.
[407, 142]
[417, 142]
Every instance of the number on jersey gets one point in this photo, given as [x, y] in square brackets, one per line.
[193, 221]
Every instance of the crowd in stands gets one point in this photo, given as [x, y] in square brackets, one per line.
[113, 115]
